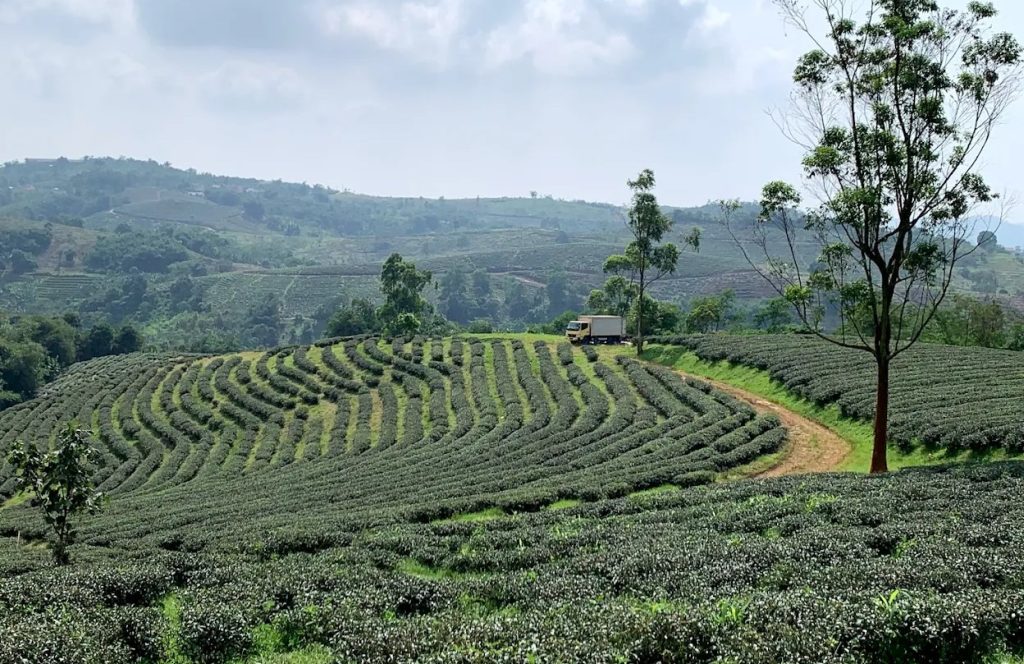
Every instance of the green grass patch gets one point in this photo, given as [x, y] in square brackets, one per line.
[171, 608]
[756, 467]
[421, 570]
[653, 491]
[564, 504]
[273, 646]
[858, 433]
[488, 514]
[15, 500]
[312, 655]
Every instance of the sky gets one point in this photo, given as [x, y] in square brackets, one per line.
[454, 98]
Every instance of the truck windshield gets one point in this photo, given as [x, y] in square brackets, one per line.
[573, 325]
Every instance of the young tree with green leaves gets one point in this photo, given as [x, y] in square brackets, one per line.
[615, 298]
[894, 106]
[60, 483]
[646, 259]
[404, 305]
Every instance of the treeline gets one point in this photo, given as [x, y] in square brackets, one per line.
[964, 321]
[175, 248]
[68, 191]
[20, 248]
[35, 349]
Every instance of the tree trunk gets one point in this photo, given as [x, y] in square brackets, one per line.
[879, 463]
[640, 322]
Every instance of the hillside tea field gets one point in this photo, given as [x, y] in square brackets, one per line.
[485, 500]
[302, 447]
[917, 566]
[958, 398]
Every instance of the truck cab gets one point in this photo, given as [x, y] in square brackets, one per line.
[576, 331]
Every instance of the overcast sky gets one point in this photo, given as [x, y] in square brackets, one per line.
[423, 97]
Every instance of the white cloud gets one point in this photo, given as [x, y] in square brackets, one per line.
[422, 30]
[566, 96]
[713, 18]
[116, 13]
[243, 85]
[561, 37]
[744, 55]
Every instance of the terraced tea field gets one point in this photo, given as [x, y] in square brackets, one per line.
[376, 431]
[49, 293]
[301, 293]
[485, 500]
[957, 398]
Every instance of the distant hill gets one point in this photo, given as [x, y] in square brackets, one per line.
[1011, 235]
[197, 259]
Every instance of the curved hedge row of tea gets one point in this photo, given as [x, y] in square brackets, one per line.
[924, 565]
[959, 398]
[242, 451]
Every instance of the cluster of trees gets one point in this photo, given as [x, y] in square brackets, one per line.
[169, 248]
[405, 310]
[34, 349]
[970, 321]
[19, 248]
[468, 298]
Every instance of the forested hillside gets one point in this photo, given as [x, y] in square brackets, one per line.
[197, 261]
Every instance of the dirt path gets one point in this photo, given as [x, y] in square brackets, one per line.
[812, 448]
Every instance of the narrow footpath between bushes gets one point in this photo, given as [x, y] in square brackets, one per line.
[812, 448]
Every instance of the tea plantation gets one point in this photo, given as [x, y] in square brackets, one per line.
[496, 500]
[958, 398]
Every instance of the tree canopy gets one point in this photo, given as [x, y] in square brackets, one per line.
[894, 108]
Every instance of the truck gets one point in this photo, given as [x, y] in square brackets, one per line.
[596, 330]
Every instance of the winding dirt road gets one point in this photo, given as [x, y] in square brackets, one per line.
[812, 448]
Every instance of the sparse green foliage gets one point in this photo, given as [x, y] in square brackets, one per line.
[710, 313]
[646, 259]
[402, 285]
[60, 482]
[774, 315]
[894, 108]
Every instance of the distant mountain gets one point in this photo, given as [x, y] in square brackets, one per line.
[1011, 235]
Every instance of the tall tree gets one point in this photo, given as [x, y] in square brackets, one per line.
[646, 258]
[454, 300]
[894, 107]
[60, 483]
[402, 285]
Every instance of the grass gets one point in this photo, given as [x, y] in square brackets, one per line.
[312, 655]
[171, 609]
[858, 433]
[564, 504]
[15, 500]
[653, 491]
[488, 514]
[420, 570]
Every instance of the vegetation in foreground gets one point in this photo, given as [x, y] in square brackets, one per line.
[921, 565]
